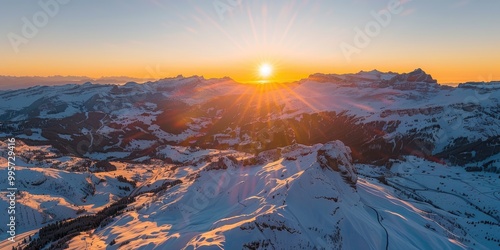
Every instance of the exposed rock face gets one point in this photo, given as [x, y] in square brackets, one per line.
[412, 112]
[417, 75]
[337, 157]
[380, 116]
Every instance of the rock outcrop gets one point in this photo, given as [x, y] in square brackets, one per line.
[337, 157]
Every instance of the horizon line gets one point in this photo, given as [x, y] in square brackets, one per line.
[80, 79]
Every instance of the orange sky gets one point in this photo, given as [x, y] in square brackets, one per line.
[454, 43]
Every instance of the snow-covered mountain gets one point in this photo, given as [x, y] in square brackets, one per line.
[370, 160]
[379, 115]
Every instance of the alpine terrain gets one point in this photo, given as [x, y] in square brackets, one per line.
[371, 160]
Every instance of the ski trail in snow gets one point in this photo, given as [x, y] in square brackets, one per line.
[425, 188]
[380, 222]
[90, 131]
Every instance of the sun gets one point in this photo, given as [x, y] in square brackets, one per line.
[265, 70]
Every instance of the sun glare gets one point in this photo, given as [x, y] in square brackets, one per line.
[265, 70]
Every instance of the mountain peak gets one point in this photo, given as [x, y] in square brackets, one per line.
[418, 71]
[416, 76]
[373, 71]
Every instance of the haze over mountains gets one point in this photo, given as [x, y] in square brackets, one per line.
[370, 160]
[20, 82]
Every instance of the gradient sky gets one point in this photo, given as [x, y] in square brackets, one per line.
[454, 40]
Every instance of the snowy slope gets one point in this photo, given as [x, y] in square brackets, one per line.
[283, 204]
[369, 160]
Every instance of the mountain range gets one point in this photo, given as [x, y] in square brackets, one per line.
[370, 160]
